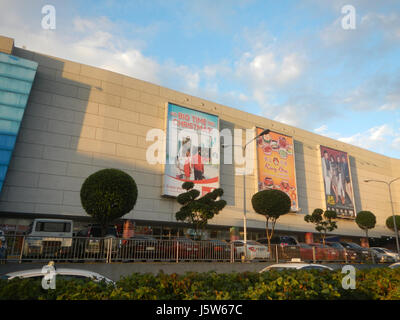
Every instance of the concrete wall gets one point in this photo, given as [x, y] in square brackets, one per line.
[81, 119]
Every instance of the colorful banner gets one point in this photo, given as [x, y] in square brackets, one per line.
[337, 182]
[276, 164]
[192, 150]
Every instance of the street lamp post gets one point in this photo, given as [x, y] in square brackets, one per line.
[391, 203]
[266, 131]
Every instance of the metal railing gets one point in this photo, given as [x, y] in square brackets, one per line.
[111, 249]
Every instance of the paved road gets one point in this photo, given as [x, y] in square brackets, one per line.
[116, 270]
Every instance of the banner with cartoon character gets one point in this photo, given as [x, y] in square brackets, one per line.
[276, 164]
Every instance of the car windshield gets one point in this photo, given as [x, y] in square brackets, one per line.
[355, 246]
[335, 245]
[280, 268]
[143, 238]
[253, 243]
[313, 268]
[184, 240]
[219, 242]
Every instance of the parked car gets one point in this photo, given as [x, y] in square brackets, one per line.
[88, 240]
[281, 240]
[395, 265]
[215, 250]
[394, 255]
[325, 252]
[255, 250]
[181, 248]
[382, 256]
[48, 237]
[362, 253]
[306, 252]
[139, 247]
[3, 246]
[296, 266]
[63, 273]
[287, 246]
[344, 254]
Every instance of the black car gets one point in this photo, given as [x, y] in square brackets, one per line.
[285, 246]
[140, 247]
[345, 254]
[88, 241]
[215, 250]
[281, 240]
[362, 253]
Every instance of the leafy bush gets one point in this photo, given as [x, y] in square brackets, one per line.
[108, 194]
[382, 283]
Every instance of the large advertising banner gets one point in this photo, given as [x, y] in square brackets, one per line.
[276, 164]
[337, 182]
[192, 150]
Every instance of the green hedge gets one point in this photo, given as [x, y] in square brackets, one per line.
[382, 283]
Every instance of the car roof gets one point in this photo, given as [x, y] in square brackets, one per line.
[294, 265]
[59, 271]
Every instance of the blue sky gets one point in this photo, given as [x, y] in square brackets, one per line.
[290, 61]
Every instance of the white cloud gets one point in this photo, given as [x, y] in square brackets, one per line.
[377, 139]
[322, 129]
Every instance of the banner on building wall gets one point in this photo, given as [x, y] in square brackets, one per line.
[276, 164]
[192, 150]
[337, 182]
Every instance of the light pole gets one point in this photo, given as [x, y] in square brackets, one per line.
[266, 131]
[391, 203]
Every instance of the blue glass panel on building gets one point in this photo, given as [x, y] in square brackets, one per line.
[11, 113]
[7, 142]
[16, 79]
[3, 172]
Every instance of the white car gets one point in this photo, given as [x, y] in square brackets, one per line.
[395, 265]
[296, 266]
[392, 254]
[64, 273]
[255, 250]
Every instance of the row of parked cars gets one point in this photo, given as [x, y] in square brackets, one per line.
[331, 251]
[48, 237]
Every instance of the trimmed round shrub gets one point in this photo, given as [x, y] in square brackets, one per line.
[389, 222]
[272, 203]
[108, 194]
[366, 220]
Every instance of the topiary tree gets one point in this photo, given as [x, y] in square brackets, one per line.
[389, 222]
[366, 220]
[197, 211]
[323, 221]
[272, 204]
[107, 195]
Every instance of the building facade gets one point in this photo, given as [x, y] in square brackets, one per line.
[80, 119]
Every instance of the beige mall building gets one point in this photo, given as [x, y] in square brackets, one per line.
[80, 119]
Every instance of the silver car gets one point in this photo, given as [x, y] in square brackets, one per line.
[392, 254]
[382, 256]
[295, 266]
[64, 273]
